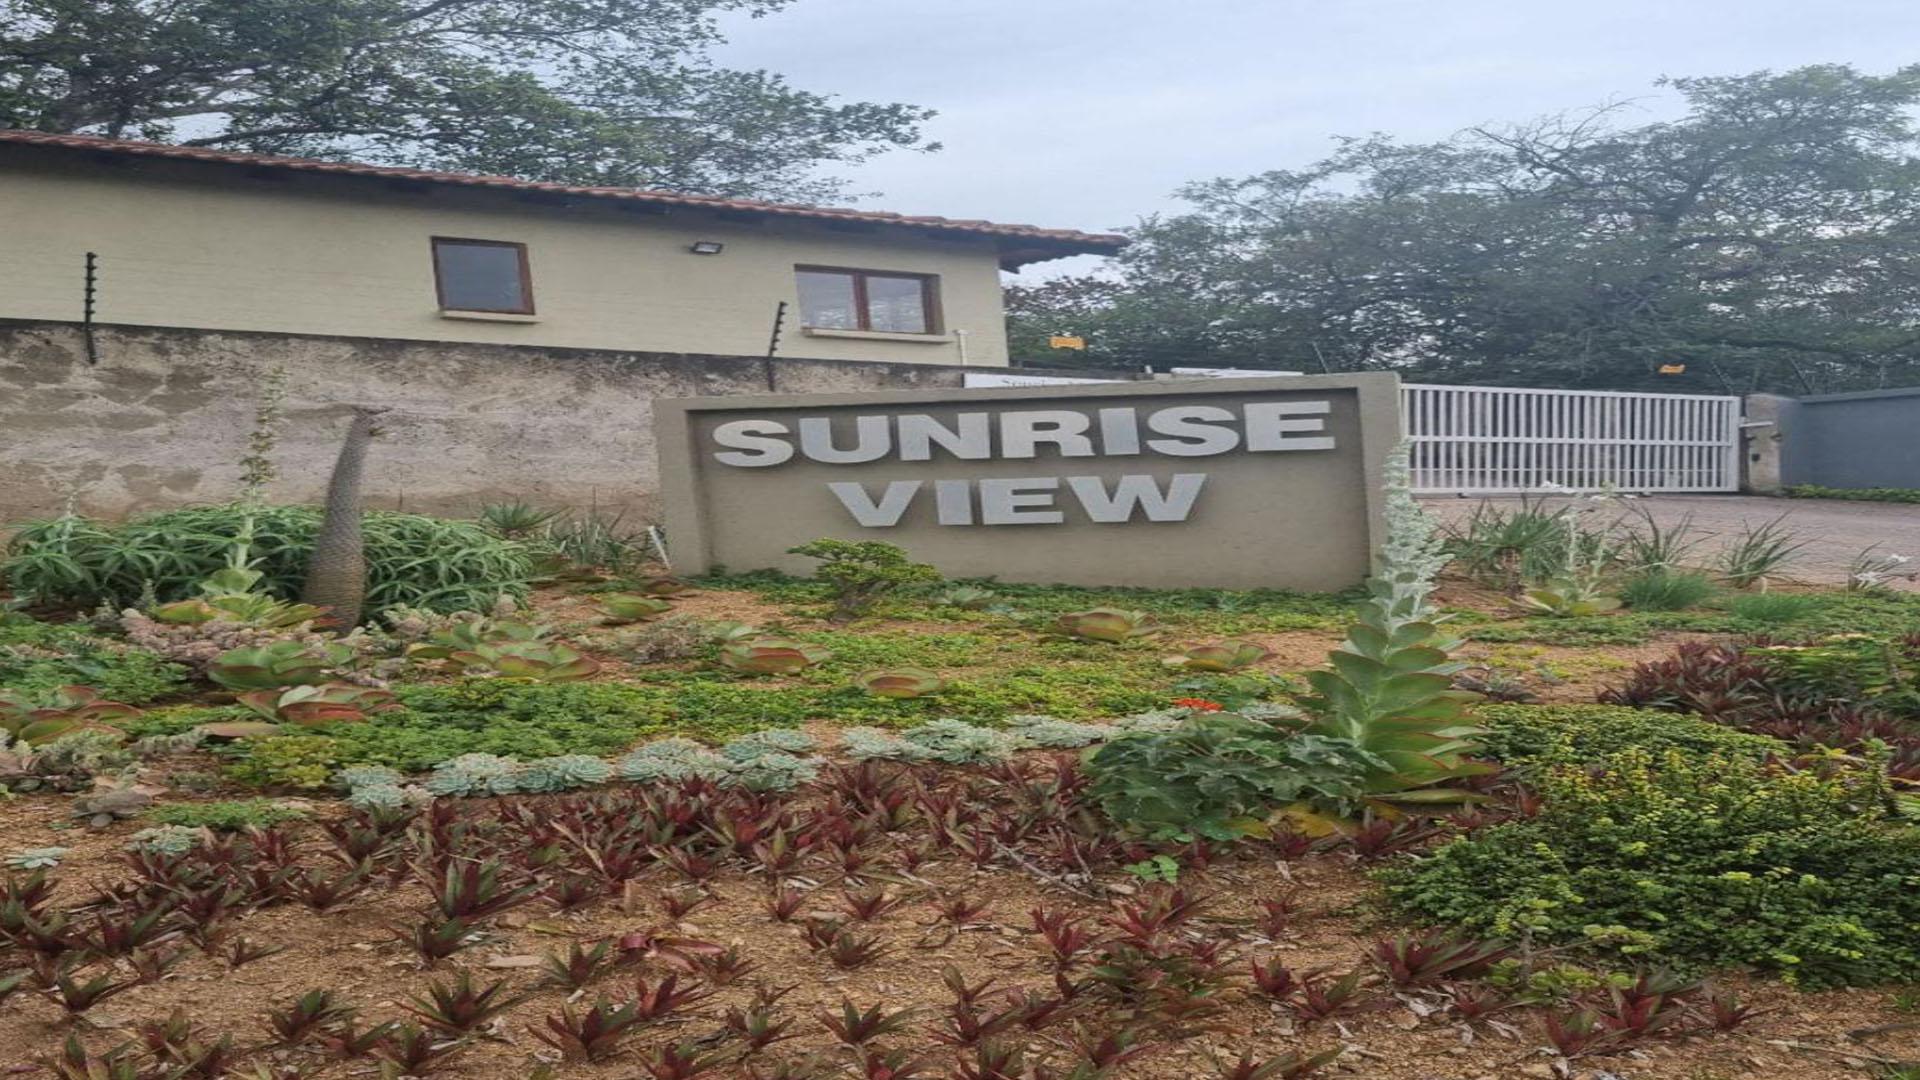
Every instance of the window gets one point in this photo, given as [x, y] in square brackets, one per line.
[482, 275]
[867, 300]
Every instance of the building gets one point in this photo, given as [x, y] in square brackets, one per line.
[199, 239]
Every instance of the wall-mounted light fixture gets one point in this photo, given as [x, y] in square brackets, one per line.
[706, 247]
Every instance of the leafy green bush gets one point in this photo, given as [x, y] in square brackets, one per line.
[1665, 590]
[1883, 494]
[1536, 736]
[228, 816]
[1695, 860]
[36, 657]
[412, 559]
[1220, 776]
[863, 572]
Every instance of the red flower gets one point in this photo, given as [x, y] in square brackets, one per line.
[1198, 704]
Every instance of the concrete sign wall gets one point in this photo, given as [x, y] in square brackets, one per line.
[1238, 483]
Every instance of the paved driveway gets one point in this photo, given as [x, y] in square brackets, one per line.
[1834, 531]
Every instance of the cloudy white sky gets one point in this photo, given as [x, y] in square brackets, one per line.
[1088, 113]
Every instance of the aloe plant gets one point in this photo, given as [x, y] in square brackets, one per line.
[1108, 624]
[64, 711]
[771, 656]
[276, 665]
[1229, 655]
[538, 661]
[1389, 687]
[327, 703]
[1566, 597]
[628, 607]
[901, 682]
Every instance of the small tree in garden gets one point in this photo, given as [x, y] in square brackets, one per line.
[337, 573]
[863, 572]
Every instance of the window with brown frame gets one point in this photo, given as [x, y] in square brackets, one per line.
[482, 275]
[835, 299]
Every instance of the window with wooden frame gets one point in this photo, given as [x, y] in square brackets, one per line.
[482, 275]
[832, 298]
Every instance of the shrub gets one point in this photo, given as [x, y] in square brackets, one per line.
[1665, 590]
[228, 816]
[412, 559]
[1535, 736]
[1220, 776]
[863, 572]
[1693, 860]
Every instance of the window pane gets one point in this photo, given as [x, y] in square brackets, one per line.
[480, 277]
[898, 304]
[826, 300]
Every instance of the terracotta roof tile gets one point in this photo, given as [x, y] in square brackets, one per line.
[1059, 241]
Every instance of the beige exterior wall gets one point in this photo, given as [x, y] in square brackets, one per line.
[223, 248]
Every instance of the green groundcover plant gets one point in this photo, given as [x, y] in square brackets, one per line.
[37, 657]
[1694, 860]
[412, 559]
[1530, 738]
[1881, 494]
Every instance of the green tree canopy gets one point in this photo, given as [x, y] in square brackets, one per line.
[1769, 237]
[615, 92]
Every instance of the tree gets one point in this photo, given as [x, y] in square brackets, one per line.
[1768, 238]
[616, 92]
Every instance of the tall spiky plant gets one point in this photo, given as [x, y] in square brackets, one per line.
[1390, 687]
[337, 571]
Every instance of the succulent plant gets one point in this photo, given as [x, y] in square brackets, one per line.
[1053, 734]
[538, 661]
[64, 711]
[358, 776]
[39, 858]
[276, 665]
[629, 607]
[901, 682]
[230, 595]
[309, 706]
[1108, 624]
[562, 773]
[770, 740]
[774, 770]
[166, 839]
[864, 743]
[966, 597]
[673, 759]
[1229, 655]
[473, 774]
[734, 631]
[663, 585]
[956, 742]
[471, 634]
[771, 656]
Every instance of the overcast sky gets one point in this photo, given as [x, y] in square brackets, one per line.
[1088, 113]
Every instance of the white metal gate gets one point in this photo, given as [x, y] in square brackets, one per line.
[1488, 440]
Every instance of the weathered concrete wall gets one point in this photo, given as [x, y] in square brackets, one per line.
[1859, 440]
[163, 419]
[1763, 432]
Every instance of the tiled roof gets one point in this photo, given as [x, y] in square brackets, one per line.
[1056, 241]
